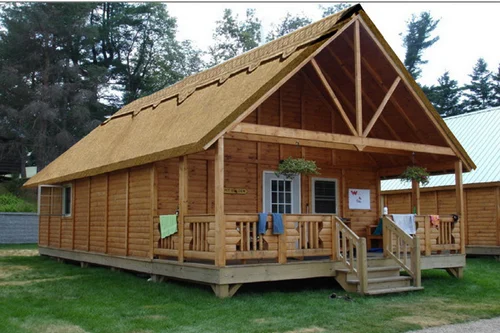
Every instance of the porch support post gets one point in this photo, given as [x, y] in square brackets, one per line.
[459, 192]
[415, 197]
[220, 221]
[183, 204]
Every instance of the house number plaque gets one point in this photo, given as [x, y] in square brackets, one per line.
[232, 190]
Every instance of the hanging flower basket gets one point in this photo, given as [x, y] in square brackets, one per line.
[291, 167]
[416, 173]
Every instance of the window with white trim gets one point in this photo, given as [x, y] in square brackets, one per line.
[280, 195]
[324, 195]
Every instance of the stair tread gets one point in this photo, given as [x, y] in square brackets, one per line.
[382, 279]
[383, 268]
[392, 290]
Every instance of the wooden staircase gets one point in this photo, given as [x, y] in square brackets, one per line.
[383, 278]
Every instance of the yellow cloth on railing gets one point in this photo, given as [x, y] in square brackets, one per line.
[168, 225]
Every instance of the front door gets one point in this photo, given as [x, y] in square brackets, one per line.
[281, 195]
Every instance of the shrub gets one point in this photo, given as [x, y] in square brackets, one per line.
[11, 203]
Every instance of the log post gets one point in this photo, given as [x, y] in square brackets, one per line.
[220, 223]
[415, 195]
[183, 204]
[459, 192]
[415, 262]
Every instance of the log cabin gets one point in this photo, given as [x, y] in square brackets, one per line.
[206, 150]
[477, 132]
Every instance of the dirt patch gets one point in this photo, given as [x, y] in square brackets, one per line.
[57, 327]
[313, 329]
[18, 253]
[25, 282]
[8, 271]
[424, 321]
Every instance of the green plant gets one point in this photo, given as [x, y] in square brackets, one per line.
[291, 167]
[416, 173]
[13, 204]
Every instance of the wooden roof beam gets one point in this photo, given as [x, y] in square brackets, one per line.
[357, 74]
[447, 136]
[322, 137]
[381, 107]
[333, 96]
[368, 98]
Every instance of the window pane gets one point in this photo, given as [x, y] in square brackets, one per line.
[281, 209]
[288, 209]
[288, 198]
[282, 198]
[274, 186]
[280, 185]
[274, 209]
[274, 197]
[324, 196]
[67, 201]
[288, 185]
[326, 207]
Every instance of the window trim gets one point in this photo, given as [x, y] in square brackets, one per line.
[313, 193]
[299, 189]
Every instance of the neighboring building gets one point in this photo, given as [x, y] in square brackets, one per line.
[478, 133]
[207, 148]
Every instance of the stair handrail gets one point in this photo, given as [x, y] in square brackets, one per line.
[390, 229]
[350, 240]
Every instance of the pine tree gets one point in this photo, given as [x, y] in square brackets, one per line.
[496, 88]
[288, 24]
[233, 37]
[446, 96]
[329, 10]
[416, 40]
[479, 93]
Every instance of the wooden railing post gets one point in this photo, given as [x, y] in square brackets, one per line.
[335, 239]
[385, 238]
[415, 262]
[282, 247]
[459, 189]
[220, 221]
[362, 266]
[427, 236]
[183, 204]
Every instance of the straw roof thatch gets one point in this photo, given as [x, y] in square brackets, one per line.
[185, 117]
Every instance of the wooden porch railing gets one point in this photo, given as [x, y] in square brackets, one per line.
[351, 250]
[398, 245]
[443, 236]
[303, 236]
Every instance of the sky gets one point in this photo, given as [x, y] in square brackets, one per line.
[467, 31]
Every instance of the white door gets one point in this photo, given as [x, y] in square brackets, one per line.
[281, 195]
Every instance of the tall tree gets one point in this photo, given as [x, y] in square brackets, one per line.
[417, 39]
[496, 87]
[446, 96]
[479, 92]
[288, 24]
[233, 37]
[335, 8]
[48, 97]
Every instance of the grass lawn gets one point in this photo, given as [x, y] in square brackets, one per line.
[38, 294]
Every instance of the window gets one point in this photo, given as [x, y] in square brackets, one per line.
[66, 200]
[281, 195]
[324, 192]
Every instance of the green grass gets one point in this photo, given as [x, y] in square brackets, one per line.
[70, 299]
[11, 203]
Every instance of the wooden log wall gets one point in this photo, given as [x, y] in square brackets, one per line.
[482, 209]
[111, 213]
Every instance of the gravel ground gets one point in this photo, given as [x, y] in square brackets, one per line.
[481, 326]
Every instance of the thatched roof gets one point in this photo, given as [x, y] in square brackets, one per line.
[185, 117]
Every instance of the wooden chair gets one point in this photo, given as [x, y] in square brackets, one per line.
[370, 229]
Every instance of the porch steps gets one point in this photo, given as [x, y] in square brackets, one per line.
[383, 278]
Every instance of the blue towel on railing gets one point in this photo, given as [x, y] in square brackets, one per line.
[262, 223]
[278, 227]
[378, 231]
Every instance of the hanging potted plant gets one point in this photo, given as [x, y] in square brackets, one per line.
[291, 167]
[415, 173]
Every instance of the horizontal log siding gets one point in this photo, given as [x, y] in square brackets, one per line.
[97, 213]
[139, 211]
[482, 220]
[81, 214]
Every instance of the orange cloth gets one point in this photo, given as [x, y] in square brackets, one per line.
[434, 220]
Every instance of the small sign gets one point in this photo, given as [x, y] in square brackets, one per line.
[359, 199]
[232, 190]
